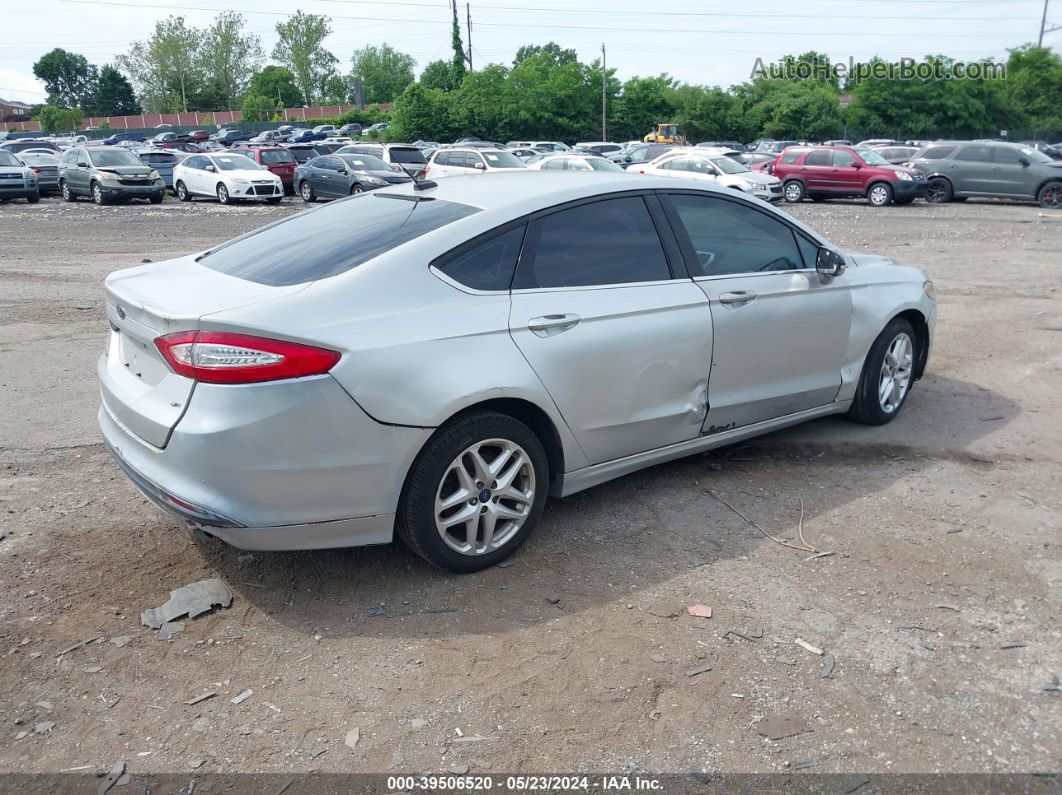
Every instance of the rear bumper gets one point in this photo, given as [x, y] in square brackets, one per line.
[287, 465]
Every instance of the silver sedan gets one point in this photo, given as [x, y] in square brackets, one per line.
[431, 362]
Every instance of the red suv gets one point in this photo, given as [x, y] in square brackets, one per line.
[273, 158]
[826, 172]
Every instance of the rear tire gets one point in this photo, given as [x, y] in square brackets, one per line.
[508, 500]
[888, 375]
[182, 192]
[794, 191]
[306, 192]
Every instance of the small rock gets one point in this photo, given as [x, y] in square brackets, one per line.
[169, 629]
[239, 698]
[121, 640]
[458, 769]
[553, 600]
[397, 760]
[827, 666]
[44, 727]
[201, 724]
[418, 723]
[351, 740]
[21, 735]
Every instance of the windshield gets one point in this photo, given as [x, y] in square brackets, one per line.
[365, 163]
[872, 158]
[729, 165]
[8, 159]
[410, 155]
[236, 163]
[502, 160]
[114, 157]
[277, 156]
[332, 239]
[599, 164]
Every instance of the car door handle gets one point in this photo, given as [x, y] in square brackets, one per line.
[739, 297]
[549, 325]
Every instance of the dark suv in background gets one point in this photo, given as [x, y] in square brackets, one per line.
[639, 154]
[961, 169]
[826, 172]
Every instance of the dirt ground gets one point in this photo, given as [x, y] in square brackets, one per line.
[938, 608]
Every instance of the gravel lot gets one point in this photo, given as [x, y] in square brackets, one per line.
[939, 606]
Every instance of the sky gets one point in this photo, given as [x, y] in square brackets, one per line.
[696, 41]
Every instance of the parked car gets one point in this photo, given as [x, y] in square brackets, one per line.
[457, 161]
[524, 154]
[22, 144]
[571, 161]
[163, 137]
[962, 169]
[302, 136]
[598, 147]
[377, 128]
[325, 129]
[341, 140]
[898, 154]
[46, 166]
[350, 129]
[1053, 151]
[163, 161]
[271, 137]
[336, 176]
[425, 145]
[733, 146]
[837, 142]
[760, 161]
[824, 172]
[38, 150]
[124, 136]
[229, 137]
[405, 156]
[276, 159]
[211, 146]
[640, 154]
[17, 180]
[878, 142]
[712, 165]
[180, 146]
[376, 420]
[304, 152]
[227, 176]
[197, 136]
[108, 174]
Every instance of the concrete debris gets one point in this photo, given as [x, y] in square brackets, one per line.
[44, 727]
[116, 772]
[781, 726]
[1052, 685]
[63, 652]
[21, 735]
[45, 705]
[697, 671]
[397, 760]
[458, 769]
[191, 600]
[92, 669]
[418, 723]
[813, 649]
[827, 666]
[121, 640]
[201, 697]
[351, 740]
[201, 724]
[242, 696]
[169, 629]
[700, 611]
[657, 657]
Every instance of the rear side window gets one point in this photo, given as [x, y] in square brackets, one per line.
[605, 242]
[331, 240]
[488, 265]
[936, 152]
[791, 155]
[819, 157]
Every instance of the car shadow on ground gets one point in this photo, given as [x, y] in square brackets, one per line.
[611, 542]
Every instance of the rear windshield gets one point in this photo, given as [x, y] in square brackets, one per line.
[411, 155]
[331, 240]
[277, 156]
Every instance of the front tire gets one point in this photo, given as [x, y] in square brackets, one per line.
[223, 194]
[475, 492]
[888, 374]
[880, 195]
[33, 198]
[97, 194]
[68, 195]
[356, 189]
[939, 191]
[1050, 195]
[156, 198]
[794, 191]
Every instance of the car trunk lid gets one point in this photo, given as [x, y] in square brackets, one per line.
[139, 389]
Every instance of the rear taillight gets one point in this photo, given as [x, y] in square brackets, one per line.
[35, 169]
[219, 357]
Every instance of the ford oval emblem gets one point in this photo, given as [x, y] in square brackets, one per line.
[121, 312]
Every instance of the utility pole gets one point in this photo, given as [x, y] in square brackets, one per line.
[468, 22]
[604, 112]
[1043, 24]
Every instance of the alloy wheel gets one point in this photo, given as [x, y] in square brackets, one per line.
[306, 191]
[895, 377]
[485, 497]
[97, 193]
[937, 191]
[1051, 197]
[223, 194]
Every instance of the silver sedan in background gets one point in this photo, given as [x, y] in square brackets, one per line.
[432, 361]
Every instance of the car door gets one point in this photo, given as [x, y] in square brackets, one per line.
[972, 169]
[618, 334]
[78, 174]
[324, 174]
[817, 171]
[848, 174]
[780, 329]
[195, 175]
[1009, 176]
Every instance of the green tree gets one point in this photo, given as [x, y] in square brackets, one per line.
[259, 108]
[552, 51]
[114, 95]
[457, 62]
[279, 82]
[436, 75]
[300, 49]
[69, 78]
[1033, 88]
[423, 113]
[230, 56]
[55, 119]
[167, 68]
[645, 102]
[384, 72]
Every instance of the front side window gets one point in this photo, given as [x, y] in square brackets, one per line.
[489, 265]
[331, 240]
[872, 158]
[729, 237]
[842, 158]
[729, 165]
[605, 242]
[502, 160]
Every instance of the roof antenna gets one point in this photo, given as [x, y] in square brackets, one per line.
[422, 184]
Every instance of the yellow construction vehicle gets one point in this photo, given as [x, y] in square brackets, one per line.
[665, 133]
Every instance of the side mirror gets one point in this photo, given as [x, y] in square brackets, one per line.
[1024, 161]
[857, 164]
[343, 171]
[82, 164]
[829, 262]
[208, 167]
[480, 166]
